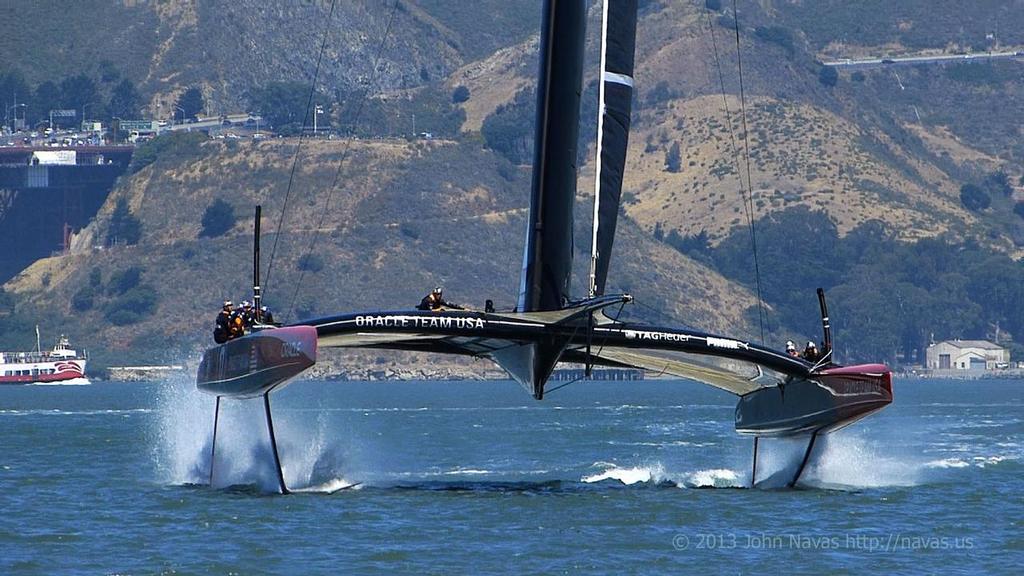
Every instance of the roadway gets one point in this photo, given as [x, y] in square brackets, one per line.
[864, 63]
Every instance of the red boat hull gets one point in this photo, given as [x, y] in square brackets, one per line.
[68, 370]
[257, 363]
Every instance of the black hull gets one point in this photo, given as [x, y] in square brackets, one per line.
[255, 364]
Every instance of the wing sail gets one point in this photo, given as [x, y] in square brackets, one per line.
[616, 97]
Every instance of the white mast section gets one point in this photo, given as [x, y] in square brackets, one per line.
[600, 131]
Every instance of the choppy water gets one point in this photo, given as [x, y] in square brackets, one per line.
[471, 477]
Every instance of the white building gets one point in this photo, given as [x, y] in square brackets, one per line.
[966, 355]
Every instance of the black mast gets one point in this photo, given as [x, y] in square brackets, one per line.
[256, 266]
[547, 259]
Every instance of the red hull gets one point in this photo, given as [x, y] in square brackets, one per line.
[69, 371]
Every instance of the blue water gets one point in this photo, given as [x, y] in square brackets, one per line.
[476, 477]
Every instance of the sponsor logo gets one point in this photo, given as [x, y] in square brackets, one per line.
[850, 387]
[655, 336]
[726, 343]
[292, 349]
[419, 322]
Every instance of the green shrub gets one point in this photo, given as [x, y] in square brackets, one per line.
[82, 300]
[218, 219]
[311, 262]
[124, 280]
[828, 76]
[974, 198]
[124, 228]
[174, 145]
[460, 94]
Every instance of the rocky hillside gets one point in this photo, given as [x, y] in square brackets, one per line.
[896, 147]
[867, 148]
[229, 48]
[402, 218]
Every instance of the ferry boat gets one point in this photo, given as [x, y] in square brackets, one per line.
[61, 364]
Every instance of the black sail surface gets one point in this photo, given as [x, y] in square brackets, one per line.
[547, 258]
[618, 50]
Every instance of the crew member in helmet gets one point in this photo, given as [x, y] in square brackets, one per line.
[266, 316]
[811, 352]
[791, 349]
[236, 322]
[222, 331]
[435, 301]
[248, 314]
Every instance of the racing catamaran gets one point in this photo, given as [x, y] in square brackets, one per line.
[779, 395]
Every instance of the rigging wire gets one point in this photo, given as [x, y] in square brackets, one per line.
[345, 151]
[761, 315]
[745, 192]
[298, 147]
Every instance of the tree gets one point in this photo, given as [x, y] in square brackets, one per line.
[124, 226]
[124, 101]
[218, 219]
[191, 103]
[998, 183]
[828, 76]
[673, 159]
[509, 130]
[311, 262]
[46, 98]
[13, 88]
[283, 103]
[80, 93]
[460, 94]
[974, 198]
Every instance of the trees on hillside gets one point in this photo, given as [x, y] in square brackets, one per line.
[80, 93]
[974, 198]
[283, 104]
[460, 95]
[828, 76]
[124, 228]
[124, 101]
[218, 219]
[888, 297]
[509, 130]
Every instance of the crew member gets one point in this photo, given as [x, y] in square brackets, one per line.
[236, 323]
[222, 331]
[489, 306]
[266, 316]
[811, 352]
[791, 349]
[248, 314]
[435, 301]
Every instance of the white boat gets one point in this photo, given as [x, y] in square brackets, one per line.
[61, 365]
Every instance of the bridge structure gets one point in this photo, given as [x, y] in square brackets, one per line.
[42, 204]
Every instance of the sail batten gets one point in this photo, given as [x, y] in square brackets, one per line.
[618, 49]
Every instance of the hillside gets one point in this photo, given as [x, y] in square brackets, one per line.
[404, 217]
[924, 161]
[230, 48]
[868, 148]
